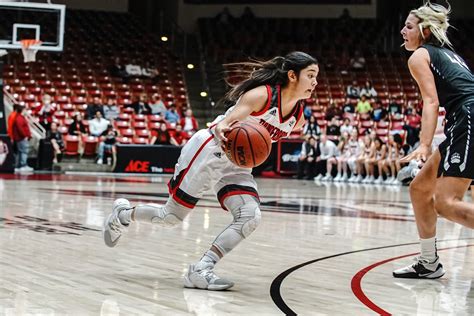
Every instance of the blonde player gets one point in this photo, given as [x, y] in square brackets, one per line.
[271, 96]
[443, 78]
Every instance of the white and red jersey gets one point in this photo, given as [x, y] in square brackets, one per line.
[271, 115]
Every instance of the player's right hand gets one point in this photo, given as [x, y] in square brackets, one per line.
[221, 129]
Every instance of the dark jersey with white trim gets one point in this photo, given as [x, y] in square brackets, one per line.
[453, 78]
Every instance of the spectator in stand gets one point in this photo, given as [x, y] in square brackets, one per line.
[412, 125]
[395, 108]
[345, 17]
[224, 17]
[311, 128]
[333, 127]
[98, 125]
[45, 112]
[333, 111]
[355, 149]
[391, 165]
[111, 110]
[162, 136]
[369, 91]
[348, 107]
[357, 62]
[366, 151]
[346, 127]
[180, 137]
[353, 90]
[307, 159]
[133, 69]
[363, 107]
[150, 71]
[107, 144]
[140, 105]
[307, 111]
[157, 106]
[247, 15]
[117, 69]
[327, 149]
[77, 127]
[56, 139]
[378, 112]
[189, 122]
[341, 159]
[172, 115]
[93, 108]
[21, 134]
[380, 154]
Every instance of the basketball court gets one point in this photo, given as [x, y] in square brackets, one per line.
[321, 250]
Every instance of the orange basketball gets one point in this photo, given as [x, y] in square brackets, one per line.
[249, 144]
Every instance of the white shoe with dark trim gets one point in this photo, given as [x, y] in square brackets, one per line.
[421, 269]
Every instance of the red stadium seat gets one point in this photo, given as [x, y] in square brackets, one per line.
[155, 118]
[140, 141]
[139, 117]
[90, 145]
[124, 117]
[63, 130]
[71, 145]
[127, 132]
[144, 133]
[124, 140]
[139, 125]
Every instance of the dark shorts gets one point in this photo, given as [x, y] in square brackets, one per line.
[457, 150]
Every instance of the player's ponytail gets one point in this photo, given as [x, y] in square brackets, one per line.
[272, 72]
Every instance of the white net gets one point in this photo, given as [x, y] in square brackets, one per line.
[29, 50]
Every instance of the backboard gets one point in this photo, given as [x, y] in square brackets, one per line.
[28, 20]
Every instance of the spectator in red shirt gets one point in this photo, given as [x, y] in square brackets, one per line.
[180, 137]
[189, 122]
[162, 136]
[21, 134]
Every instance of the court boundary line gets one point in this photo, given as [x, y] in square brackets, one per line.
[275, 287]
[356, 282]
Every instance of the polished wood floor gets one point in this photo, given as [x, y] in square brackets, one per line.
[320, 250]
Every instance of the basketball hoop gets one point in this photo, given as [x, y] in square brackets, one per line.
[29, 49]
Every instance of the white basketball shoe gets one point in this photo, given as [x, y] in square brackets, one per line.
[112, 229]
[203, 277]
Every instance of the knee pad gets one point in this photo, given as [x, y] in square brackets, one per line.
[252, 222]
[246, 211]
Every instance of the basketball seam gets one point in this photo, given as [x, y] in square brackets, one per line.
[250, 146]
[234, 149]
[265, 141]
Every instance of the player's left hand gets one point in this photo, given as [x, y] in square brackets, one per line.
[422, 153]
